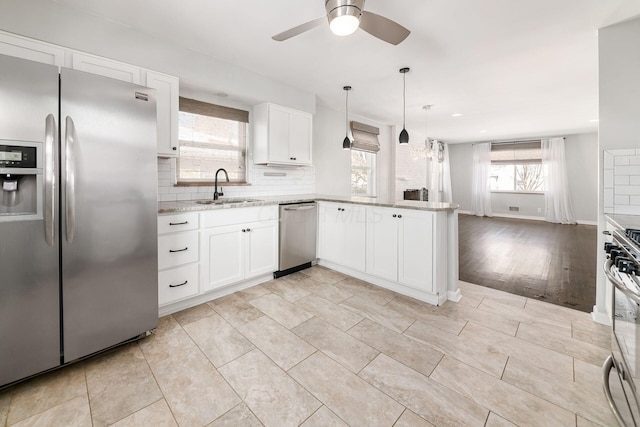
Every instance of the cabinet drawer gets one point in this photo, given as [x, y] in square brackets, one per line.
[179, 222]
[177, 249]
[232, 216]
[177, 283]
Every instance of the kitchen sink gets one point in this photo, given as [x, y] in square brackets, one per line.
[225, 201]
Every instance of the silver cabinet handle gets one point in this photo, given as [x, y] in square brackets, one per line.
[70, 178]
[179, 284]
[50, 143]
[606, 369]
[178, 250]
[179, 223]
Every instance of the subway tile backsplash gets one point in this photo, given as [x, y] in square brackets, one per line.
[622, 181]
[289, 181]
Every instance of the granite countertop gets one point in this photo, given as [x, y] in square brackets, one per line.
[192, 206]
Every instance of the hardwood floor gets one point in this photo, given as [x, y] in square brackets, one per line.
[535, 259]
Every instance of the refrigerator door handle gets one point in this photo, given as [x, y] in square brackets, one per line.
[70, 177]
[50, 143]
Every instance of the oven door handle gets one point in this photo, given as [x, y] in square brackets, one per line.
[606, 369]
[619, 285]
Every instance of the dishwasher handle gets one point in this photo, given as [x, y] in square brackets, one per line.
[300, 208]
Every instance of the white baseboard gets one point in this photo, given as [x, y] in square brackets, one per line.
[600, 317]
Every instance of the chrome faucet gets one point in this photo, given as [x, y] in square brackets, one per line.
[217, 194]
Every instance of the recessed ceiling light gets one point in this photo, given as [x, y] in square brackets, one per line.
[456, 115]
[483, 131]
[594, 120]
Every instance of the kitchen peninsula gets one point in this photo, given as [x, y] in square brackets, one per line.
[410, 247]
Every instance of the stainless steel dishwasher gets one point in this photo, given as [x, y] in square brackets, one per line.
[298, 224]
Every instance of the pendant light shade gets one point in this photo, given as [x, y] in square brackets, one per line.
[346, 143]
[404, 135]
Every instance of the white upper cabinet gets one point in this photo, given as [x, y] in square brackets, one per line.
[106, 67]
[281, 135]
[167, 88]
[33, 50]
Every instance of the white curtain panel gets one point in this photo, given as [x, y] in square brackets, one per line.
[481, 190]
[439, 178]
[557, 201]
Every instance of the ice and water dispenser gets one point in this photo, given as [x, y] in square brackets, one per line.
[21, 180]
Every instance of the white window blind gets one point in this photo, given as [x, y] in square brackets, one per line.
[211, 137]
[365, 137]
[516, 152]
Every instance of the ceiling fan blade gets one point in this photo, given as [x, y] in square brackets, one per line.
[383, 28]
[299, 29]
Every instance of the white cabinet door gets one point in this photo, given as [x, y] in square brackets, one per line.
[106, 67]
[382, 243]
[415, 250]
[282, 135]
[32, 50]
[223, 256]
[355, 230]
[331, 245]
[300, 138]
[177, 249]
[167, 88]
[279, 119]
[177, 283]
[261, 252]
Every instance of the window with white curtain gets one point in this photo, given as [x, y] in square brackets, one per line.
[517, 167]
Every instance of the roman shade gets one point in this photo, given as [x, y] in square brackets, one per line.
[516, 152]
[365, 137]
[205, 109]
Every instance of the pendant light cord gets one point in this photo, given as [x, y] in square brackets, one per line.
[346, 115]
[404, 101]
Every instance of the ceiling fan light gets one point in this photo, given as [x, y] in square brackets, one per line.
[344, 25]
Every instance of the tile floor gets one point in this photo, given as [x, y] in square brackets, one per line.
[317, 348]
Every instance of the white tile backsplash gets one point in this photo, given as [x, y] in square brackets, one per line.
[622, 181]
[296, 180]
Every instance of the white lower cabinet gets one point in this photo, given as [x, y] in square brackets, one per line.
[341, 234]
[178, 257]
[177, 283]
[238, 251]
[400, 246]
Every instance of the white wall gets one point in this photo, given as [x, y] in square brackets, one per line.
[333, 164]
[619, 91]
[582, 165]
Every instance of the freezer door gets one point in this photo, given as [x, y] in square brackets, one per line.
[109, 211]
[29, 285]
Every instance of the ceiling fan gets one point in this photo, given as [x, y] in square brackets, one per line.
[345, 16]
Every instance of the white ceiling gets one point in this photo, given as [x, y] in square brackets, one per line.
[514, 69]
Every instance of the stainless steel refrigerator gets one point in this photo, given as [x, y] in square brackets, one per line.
[78, 205]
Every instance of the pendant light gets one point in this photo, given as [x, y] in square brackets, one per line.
[404, 135]
[346, 144]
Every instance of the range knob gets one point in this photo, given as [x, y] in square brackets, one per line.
[627, 267]
[615, 253]
[622, 259]
[608, 246]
